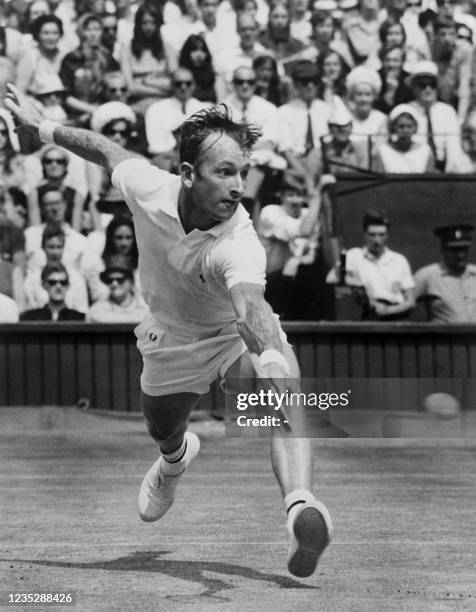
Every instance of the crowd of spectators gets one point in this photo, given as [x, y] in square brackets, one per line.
[380, 86]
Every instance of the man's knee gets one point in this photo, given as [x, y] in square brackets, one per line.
[167, 416]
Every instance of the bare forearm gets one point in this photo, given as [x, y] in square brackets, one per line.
[258, 328]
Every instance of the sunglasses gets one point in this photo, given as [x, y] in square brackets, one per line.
[424, 83]
[244, 81]
[306, 81]
[52, 282]
[183, 83]
[54, 160]
[121, 89]
[113, 131]
[109, 28]
[116, 279]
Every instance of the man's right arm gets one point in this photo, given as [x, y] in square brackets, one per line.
[84, 143]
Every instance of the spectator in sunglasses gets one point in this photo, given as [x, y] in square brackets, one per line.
[164, 119]
[55, 281]
[438, 123]
[122, 305]
[55, 163]
[453, 58]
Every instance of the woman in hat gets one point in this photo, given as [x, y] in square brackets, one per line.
[363, 86]
[43, 59]
[402, 154]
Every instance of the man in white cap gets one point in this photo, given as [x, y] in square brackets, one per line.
[340, 153]
[438, 123]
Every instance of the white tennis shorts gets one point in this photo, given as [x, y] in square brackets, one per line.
[174, 363]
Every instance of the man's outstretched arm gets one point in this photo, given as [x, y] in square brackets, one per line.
[88, 145]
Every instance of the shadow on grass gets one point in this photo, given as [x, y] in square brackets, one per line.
[192, 571]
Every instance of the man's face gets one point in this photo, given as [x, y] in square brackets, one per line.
[293, 202]
[247, 31]
[116, 89]
[183, 84]
[306, 88]
[376, 237]
[279, 18]
[56, 285]
[209, 10]
[446, 8]
[446, 36]
[456, 258]
[92, 33]
[341, 133]
[120, 286]
[218, 182]
[54, 207]
[324, 30]
[109, 30]
[54, 248]
[244, 83]
[424, 90]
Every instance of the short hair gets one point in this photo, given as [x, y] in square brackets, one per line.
[49, 189]
[319, 17]
[55, 267]
[52, 230]
[39, 22]
[375, 217]
[208, 121]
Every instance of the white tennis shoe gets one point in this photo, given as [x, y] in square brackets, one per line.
[157, 491]
[311, 533]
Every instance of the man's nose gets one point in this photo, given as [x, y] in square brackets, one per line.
[237, 189]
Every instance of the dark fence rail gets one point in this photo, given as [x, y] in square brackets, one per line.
[59, 364]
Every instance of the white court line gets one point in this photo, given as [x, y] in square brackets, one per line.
[186, 542]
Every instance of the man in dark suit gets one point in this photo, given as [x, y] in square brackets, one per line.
[55, 280]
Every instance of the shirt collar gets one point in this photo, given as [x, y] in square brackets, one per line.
[469, 270]
[387, 254]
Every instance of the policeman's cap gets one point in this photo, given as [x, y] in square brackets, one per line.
[455, 235]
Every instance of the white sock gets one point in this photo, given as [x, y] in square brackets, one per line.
[173, 461]
[293, 502]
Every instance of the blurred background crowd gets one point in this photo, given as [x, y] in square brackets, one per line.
[337, 86]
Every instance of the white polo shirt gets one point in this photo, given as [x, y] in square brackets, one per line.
[186, 278]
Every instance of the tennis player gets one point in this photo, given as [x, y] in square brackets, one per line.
[202, 271]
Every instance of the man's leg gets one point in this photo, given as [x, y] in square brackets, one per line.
[308, 520]
[167, 419]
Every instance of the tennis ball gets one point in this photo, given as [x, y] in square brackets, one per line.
[442, 405]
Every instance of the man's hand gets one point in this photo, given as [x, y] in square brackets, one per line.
[25, 114]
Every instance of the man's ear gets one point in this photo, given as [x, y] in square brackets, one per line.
[187, 173]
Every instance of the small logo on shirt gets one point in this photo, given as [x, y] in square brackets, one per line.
[202, 280]
[152, 336]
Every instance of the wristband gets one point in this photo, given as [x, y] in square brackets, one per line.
[46, 129]
[269, 356]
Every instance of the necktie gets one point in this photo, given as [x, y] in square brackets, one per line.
[309, 135]
[431, 140]
[184, 108]
[244, 117]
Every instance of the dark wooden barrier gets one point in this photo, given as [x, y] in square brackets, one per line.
[59, 364]
[415, 204]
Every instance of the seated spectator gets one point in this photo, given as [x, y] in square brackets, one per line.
[277, 37]
[109, 38]
[51, 96]
[269, 84]
[52, 245]
[116, 121]
[339, 153]
[281, 229]
[300, 26]
[12, 250]
[384, 276]
[332, 80]
[325, 38]
[7, 68]
[242, 55]
[448, 288]
[368, 125]
[122, 305]
[453, 58]
[394, 89]
[416, 42]
[175, 33]
[362, 30]
[55, 280]
[54, 162]
[82, 70]
[302, 122]
[53, 205]
[195, 56]
[44, 59]
[438, 123]
[164, 119]
[219, 37]
[8, 310]
[143, 61]
[402, 154]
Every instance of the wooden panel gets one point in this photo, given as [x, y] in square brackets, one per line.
[16, 380]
